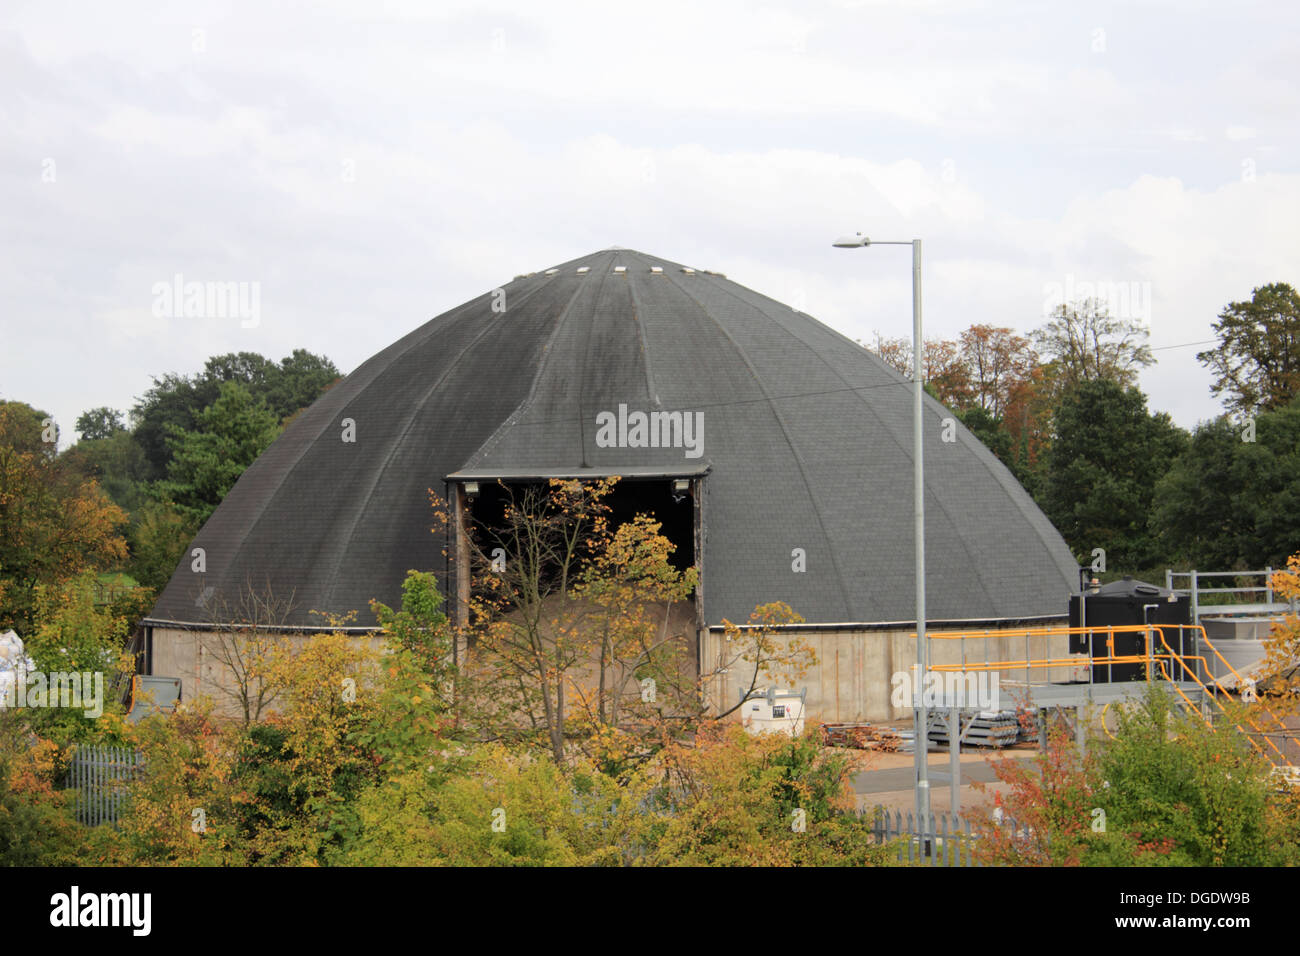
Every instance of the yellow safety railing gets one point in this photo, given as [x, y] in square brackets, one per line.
[1180, 662]
[1159, 629]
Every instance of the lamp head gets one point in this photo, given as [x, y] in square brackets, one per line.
[855, 241]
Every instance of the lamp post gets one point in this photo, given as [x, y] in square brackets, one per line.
[920, 714]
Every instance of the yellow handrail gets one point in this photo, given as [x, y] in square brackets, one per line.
[1153, 659]
[1259, 730]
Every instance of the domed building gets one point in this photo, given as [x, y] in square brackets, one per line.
[776, 451]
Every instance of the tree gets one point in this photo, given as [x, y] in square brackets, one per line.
[117, 463]
[945, 373]
[1170, 789]
[1257, 360]
[181, 807]
[54, 522]
[1029, 417]
[176, 401]
[71, 634]
[99, 423]
[37, 823]
[1196, 501]
[986, 375]
[206, 461]
[158, 540]
[1198, 789]
[729, 798]
[300, 379]
[1280, 672]
[628, 582]
[1102, 470]
[761, 652]
[1086, 344]
[246, 638]
[526, 613]
[1232, 499]
[997, 362]
[991, 432]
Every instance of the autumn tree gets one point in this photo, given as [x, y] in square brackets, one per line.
[1029, 419]
[762, 652]
[243, 632]
[1257, 360]
[54, 522]
[729, 798]
[997, 362]
[1280, 673]
[181, 808]
[1170, 789]
[529, 620]
[945, 372]
[633, 587]
[73, 634]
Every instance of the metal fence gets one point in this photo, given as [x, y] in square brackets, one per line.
[1229, 598]
[952, 842]
[100, 775]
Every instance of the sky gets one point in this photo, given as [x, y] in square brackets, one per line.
[359, 168]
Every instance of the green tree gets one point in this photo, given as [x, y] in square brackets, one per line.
[1257, 361]
[118, 464]
[1102, 469]
[1232, 499]
[990, 431]
[71, 634]
[1087, 344]
[1200, 790]
[102, 422]
[206, 461]
[158, 538]
[1170, 789]
[176, 401]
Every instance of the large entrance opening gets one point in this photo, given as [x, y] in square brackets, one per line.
[480, 501]
[671, 502]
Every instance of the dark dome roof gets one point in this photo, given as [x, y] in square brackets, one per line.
[807, 438]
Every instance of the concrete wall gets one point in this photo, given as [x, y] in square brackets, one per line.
[853, 678]
[198, 659]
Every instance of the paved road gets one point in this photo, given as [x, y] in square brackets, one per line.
[900, 778]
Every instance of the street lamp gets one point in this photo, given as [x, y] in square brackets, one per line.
[920, 714]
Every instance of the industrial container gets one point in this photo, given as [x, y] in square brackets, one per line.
[1128, 602]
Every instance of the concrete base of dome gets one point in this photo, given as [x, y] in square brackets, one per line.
[855, 677]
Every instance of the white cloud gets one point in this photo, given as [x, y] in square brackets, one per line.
[371, 167]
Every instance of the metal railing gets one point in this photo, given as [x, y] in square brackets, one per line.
[101, 774]
[1194, 590]
[1160, 659]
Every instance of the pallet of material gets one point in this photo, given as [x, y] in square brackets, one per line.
[862, 737]
[984, 730]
